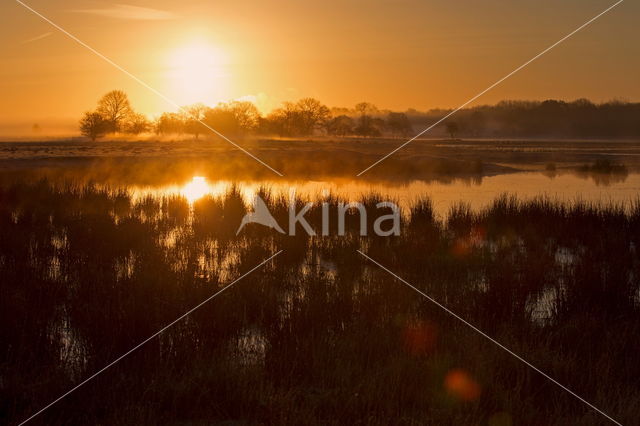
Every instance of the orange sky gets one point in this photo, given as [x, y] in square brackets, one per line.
[394, 53]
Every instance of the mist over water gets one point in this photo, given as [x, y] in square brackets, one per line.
[107, 243]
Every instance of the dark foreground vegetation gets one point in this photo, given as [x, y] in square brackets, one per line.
[319, 335]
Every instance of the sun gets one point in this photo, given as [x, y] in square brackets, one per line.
[197, 73]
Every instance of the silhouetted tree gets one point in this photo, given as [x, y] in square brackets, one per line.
[136, 123]
[452, 129]
[192, 117]
[170, 123]
[551, 118]
[299, 119]
[223, 120]
[285, 120]
[398, 123]
[366, 108]
[337, 111]
[313, 115]
[341, 125]
[115, 109]
[236, 117]
[93, 125]
[378, 126]
[367, 125]
[246, 115]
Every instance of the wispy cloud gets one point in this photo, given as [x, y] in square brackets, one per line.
[36, 38]
[129, 12]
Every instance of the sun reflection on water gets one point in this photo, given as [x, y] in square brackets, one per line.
[444, 195]
[196, 189]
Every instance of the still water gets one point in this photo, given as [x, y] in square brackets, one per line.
[566, 187]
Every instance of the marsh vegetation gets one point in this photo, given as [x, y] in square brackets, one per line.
[319, 335]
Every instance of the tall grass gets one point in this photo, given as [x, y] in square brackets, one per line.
[318, 336]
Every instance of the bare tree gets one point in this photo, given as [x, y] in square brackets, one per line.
[193, 116]
[366, 108]
[368, 126]
[313, 114]
[301, 118]
[136, 124]
[341, 125]
[246, 113]
[169, 123]
[452, 129]
[93, 125]
[115, 109]
[399, 124]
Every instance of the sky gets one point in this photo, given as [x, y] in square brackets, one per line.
[397, 54]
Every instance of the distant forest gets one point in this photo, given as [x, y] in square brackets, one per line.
[580, 119]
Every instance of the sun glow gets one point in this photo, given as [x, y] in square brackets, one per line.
[197, 74]
[196, 189]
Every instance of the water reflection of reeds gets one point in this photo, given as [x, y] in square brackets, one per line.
[317, 334]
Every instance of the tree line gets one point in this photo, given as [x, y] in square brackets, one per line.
[305, 117]
[579, 119]
[309, 116]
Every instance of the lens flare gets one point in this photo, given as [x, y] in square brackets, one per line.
[461, 385]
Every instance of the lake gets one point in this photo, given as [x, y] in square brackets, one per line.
[477, 192]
